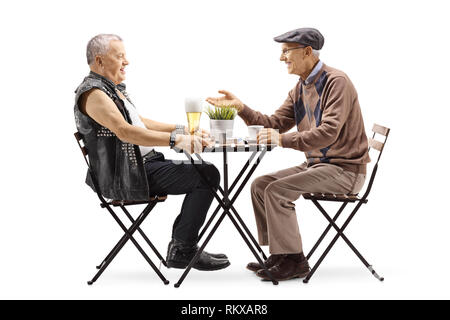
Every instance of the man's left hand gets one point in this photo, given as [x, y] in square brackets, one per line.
[207, 140]
[269, 136]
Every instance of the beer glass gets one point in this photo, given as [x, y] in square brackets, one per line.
[193, 107]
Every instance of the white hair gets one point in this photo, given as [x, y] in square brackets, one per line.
[316, 52]
[99, 45]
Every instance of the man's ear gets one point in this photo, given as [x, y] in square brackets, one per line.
[99, 61]
[308, 51]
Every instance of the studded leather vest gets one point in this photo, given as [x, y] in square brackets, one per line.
[116, 164]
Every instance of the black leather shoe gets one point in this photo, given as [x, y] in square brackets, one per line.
[213, 255]
[217, 255]
[179, 254]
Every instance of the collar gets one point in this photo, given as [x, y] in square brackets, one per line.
[313, 73]
[120, 86]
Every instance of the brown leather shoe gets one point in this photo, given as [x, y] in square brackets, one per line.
[286, 269]
[271, 261]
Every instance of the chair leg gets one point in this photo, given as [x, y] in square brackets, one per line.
[129, 236]
[326, 231]
[324, 254]
[340, 234]
[163, 261]
[313, 270]
[124, 236]
[111, 252]
[375, 274]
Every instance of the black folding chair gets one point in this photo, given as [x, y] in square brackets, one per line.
[135, 224]
[345, 199]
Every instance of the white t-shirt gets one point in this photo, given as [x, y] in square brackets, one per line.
[136, 121]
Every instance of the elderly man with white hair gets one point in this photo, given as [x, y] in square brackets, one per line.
[120, 143]
[324, 109]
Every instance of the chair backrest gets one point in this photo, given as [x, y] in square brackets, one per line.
[84, 150]
[375, 144]
[379, 146]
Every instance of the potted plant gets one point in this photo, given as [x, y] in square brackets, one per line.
[221, 120]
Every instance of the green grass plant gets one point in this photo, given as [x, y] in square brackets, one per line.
[225, 112]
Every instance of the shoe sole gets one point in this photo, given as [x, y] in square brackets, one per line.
[213, 269]
[178, 265]
[300, 275]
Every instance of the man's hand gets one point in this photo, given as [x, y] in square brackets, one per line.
[228, 99]
[205, 134]
[188, 143]
[207, 140]
[269, 136]
[194, 143]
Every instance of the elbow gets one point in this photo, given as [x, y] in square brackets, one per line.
[317, 141]
[123, 133]
[327, 141]
[330, 133]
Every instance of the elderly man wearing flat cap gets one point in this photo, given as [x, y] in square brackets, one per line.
[324, 108]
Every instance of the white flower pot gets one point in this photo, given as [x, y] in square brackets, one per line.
[221, 129]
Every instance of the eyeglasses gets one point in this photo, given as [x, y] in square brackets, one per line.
[285, 51]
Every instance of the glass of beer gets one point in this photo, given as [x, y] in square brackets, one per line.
[193, 107]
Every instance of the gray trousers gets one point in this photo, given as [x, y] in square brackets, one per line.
[273, 197]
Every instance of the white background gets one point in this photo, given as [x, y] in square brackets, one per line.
[52, 230]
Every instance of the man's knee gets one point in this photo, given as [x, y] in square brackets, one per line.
[212, 174]
[276, 193]
[259, 184]
[272, 189]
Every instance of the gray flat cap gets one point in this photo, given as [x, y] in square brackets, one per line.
[305, 36]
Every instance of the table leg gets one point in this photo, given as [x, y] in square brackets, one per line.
[249, 234]
[236, 180]
[227, 201]
[226, 205]
[199, 251]
[244, 182]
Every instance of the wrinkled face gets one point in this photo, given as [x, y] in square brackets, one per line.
[113, 63]
[294, 57]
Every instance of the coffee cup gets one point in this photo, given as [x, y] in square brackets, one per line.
[253, 131]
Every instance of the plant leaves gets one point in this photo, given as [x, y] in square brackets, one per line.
[225, 112]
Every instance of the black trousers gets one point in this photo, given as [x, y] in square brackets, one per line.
[166, 177]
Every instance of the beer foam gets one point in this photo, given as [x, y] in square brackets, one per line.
[193, 104]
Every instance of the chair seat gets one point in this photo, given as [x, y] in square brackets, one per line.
[117, 203]
[333, 197]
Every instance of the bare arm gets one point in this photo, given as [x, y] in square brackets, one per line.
[102, 109]
[157, 126]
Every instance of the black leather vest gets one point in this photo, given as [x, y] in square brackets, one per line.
[117, 165]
